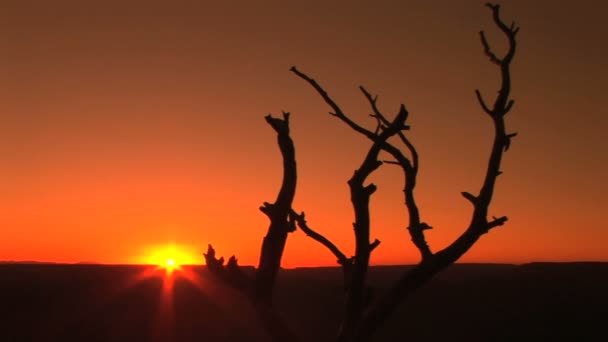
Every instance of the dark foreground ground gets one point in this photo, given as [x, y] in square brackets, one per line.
[533, 302]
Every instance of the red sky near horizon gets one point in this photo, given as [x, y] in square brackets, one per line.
[128, 128]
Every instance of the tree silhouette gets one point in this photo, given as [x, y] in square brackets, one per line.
[363, 315]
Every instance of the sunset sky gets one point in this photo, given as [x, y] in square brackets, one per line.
[126, 129]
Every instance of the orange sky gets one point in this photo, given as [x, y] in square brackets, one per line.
[124, 128]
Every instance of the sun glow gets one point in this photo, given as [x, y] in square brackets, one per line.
[170, 257]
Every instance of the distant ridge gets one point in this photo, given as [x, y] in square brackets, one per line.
[544, 263]
[532, 264]
[26, 262]
[465, 264]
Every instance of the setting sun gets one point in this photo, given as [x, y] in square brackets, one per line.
[170, 265]
[170, 256]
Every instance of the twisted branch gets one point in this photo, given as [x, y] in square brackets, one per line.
[416, 227]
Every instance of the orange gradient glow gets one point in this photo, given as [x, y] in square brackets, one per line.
[140, 137]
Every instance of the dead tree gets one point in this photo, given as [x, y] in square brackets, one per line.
[260, 287]
[363, 316]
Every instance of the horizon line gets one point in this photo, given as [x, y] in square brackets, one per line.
[92, 263]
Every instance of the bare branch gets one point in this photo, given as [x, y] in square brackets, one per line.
[470, 197]
[370, 189]
[337, 111]
[278, 213]
[509, 106]
[372, 101]
[502, 105]
[487, 50]
[497, 221]
[412, 149]
[300, 220]
[392, 162]
[379, 116]
[374, 244]
[380, 140]
[379, 125]
[410, 172]
[508, 140]
[266, 208]
[511, 31]
[357, 299]
[482, 103]
[479, 225]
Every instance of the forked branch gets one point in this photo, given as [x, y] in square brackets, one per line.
[415, 228]
[360, 196]
[382, 119]
[479, 224]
